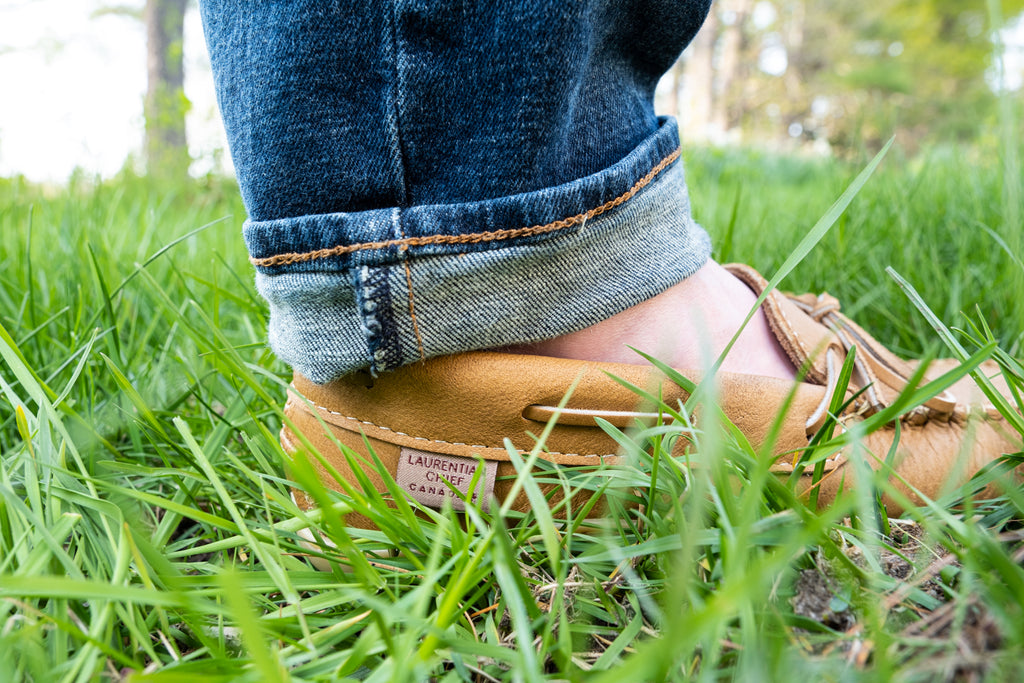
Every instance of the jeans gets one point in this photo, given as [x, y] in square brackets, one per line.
[428, 177]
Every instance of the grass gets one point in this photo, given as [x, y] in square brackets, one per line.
[147, 531]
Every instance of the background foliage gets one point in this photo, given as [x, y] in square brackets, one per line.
[846, 73]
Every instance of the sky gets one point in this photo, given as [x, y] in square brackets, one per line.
[73, 85]
[73, 81]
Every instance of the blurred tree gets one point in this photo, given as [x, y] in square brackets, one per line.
[916, 66]
[165, 107]
[698, 82]
[166, 104]
[846, 72]
[732, 44]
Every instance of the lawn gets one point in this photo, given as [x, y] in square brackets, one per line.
[147, 531]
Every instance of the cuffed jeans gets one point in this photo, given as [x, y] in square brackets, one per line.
[427, 177]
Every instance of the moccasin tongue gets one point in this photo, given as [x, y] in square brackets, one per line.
[809, 326]
[804, 340]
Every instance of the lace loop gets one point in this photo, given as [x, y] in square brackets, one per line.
[873, 371]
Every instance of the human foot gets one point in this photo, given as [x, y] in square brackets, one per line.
[687, 326]
[448, 417]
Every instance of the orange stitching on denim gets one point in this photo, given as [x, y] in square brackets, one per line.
[412, 310]
[473, 238]
[408, 283]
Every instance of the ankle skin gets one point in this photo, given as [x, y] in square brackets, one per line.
[687, 326]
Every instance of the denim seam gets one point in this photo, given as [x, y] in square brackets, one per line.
[442, 441]
[412, 312]
[473, 238]
[372, 292]
[396, 111]
[404, 252]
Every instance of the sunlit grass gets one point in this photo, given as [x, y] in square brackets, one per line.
[147, 527]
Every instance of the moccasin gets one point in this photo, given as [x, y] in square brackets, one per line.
[433, 424]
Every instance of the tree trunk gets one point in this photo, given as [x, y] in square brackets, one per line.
[166, 146]
[698, 82]
[793, 35]
[729, 65]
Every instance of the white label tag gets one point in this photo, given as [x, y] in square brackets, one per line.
[423, 475]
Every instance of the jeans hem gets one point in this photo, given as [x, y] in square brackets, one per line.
[440, 304]
[389, 236]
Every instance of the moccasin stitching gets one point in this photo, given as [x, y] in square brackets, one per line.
[789, 324]
[447, 443]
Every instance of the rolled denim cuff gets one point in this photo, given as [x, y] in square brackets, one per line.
[384, 288]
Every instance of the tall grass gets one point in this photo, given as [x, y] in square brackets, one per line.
[147, 529]
[944, 219]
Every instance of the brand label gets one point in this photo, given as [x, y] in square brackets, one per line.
[423, 476]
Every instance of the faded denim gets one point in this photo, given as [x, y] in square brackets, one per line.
[425, 178]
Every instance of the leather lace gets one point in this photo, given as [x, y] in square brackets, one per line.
[871, 366]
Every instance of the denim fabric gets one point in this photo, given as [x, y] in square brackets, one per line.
[427, 177]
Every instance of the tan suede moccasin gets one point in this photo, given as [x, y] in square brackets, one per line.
[432, 422]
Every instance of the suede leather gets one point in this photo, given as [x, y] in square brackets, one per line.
[466, 405]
